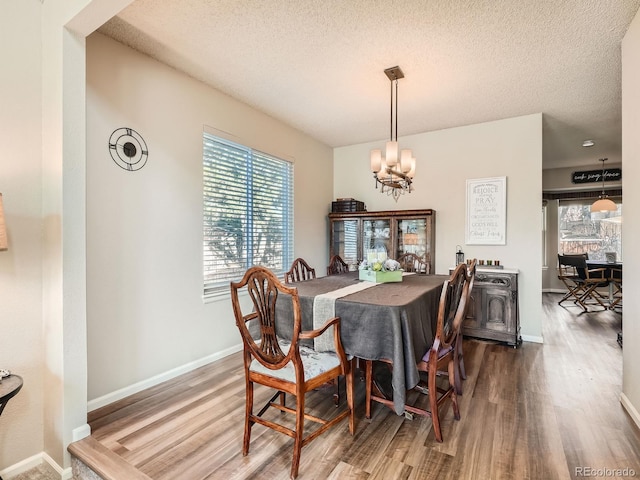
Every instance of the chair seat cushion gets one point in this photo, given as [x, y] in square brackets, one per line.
[441, 353]
[314, 363]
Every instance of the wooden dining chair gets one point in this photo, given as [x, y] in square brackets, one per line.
[460, 371]
[439, 359]
[285, 366]
[337, 266]
[410, 262]
[299, 272]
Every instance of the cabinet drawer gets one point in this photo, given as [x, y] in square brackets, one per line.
[504, 280]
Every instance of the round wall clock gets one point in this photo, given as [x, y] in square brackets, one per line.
[128, 149]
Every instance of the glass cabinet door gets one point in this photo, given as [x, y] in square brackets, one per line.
[345, 240]
[412, 236]
[357, 236]
[376, 238]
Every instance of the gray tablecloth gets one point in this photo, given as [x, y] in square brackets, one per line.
[395, 321]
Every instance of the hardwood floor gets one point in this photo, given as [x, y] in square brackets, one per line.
[536, 412]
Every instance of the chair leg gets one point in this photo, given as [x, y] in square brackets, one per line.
[349, 388]
[454, 396]
[297, 444]
[247, 423]
[433, 401]
[458, 358]
[368, 382]
[336, 394]
[463, 372]
[573, 291]
[591, 293]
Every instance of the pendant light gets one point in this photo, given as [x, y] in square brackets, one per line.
[604, 203]
[395, 170]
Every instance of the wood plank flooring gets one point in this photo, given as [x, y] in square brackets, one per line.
[536, 412]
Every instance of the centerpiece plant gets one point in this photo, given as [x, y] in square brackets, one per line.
[380, 270]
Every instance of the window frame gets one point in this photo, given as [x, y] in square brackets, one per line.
[260, 201]
[599, 216]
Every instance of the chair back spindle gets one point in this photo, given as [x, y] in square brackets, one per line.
[410, 262]
[337, 266]
[299, 272]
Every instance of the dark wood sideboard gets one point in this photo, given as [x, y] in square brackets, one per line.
[493, 313]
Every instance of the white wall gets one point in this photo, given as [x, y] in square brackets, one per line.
[631, 225]
[64, 28]
[42, 275]
[145, 311]
[21, 340]
[445, 159]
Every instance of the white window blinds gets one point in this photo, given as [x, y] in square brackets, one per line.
[248, 212]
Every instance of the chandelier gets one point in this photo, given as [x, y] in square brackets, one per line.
[604, 203]
[394, 172]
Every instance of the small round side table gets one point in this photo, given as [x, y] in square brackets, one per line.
[9, 387]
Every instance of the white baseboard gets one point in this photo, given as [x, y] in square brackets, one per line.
[33, 462]
[80, 432]
[532, 339]
[554, 290]
[162, 377]
[631, 410]
[65, 474]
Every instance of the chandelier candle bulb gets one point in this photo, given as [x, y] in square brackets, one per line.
[391, 157]
[376, 160]
[405, 160]
[412, 171]
[383, 173]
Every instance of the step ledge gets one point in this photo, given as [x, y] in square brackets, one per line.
[103, 461]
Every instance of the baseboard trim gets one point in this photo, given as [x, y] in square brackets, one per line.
[532, 339]
[80, 432]
[157, 379]
[33, 462]
[65, 474]
[631, 410]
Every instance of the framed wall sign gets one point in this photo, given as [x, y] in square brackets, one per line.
[595, 176]
[486, 219]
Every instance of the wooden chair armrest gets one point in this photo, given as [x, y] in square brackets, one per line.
[597, 270]
[319, 331]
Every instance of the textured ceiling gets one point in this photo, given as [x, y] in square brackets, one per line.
[318, 65]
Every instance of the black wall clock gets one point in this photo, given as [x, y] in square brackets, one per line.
[128, 149]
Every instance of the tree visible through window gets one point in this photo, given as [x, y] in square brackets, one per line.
[248, 212]
[581, 231]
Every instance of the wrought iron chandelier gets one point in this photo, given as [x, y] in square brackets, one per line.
[393, 172]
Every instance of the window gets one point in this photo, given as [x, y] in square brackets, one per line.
[581, 231]
[248, 212]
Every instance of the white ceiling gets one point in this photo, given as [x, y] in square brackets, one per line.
[319, 65]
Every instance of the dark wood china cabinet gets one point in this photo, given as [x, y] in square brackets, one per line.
[353, 234]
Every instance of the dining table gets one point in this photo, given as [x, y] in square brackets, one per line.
[609, 268]
[393, 321]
